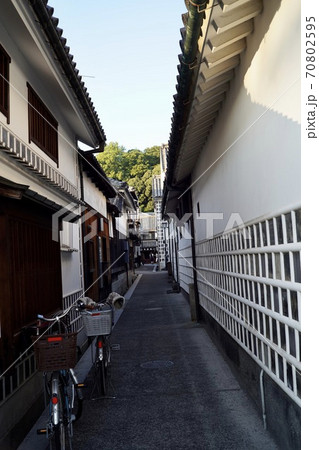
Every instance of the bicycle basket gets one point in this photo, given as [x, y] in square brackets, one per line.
[56, 352]
[98, 321]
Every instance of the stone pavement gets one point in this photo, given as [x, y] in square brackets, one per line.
[172, 388]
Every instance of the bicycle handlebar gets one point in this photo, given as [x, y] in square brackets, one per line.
[78, 305]
[114, 300]
[47, 319]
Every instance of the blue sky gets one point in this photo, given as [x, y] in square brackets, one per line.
[127, 53]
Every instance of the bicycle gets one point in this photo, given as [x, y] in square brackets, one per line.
[98, 320]
[56, 358]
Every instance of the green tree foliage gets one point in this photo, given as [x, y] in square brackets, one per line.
[134, 166]
[112, 161]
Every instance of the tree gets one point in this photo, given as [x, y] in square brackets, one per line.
[113, 161]
[134, 166]
[151, 155]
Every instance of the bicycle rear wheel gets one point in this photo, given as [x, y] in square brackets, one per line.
[103, 361]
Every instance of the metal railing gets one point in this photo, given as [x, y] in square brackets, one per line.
[26, 368]
[74, 317]
[17, 377]
[23, 154]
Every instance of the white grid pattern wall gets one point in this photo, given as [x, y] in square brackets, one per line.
[249, 282]
[185, 267]
[160, 233]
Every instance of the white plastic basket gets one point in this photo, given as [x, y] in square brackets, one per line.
[98, 321]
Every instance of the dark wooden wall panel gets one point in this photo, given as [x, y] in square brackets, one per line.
[31, 263]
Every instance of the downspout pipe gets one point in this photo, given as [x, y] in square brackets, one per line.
[197, 306]
[262, 395]
[84, 248]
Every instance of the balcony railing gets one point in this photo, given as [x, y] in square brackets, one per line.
[24, 155]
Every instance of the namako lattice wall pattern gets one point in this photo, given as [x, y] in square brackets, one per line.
[249, 281]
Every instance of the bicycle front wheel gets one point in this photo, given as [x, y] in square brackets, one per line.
[58, 441]
[60, 436]
[75, 396]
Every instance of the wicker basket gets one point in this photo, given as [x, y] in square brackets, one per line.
[98, 321]
[56, 352]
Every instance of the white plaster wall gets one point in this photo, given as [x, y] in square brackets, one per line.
[93, 196]
[258, 129]
[121, 223]
[71, 275]
[21, 72]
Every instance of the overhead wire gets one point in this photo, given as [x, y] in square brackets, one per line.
[77, 150]
[57, 318]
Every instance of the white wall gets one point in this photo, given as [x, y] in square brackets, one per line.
[121, 223]
[29, 63]
[71, 261]
[93, 196]
[23, 70]
[258, 128]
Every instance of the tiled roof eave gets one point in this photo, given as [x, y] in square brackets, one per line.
[93, 169]
[187, 69]
[223, 41]
[49, 24]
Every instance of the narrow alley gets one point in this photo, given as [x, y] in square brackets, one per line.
[178, 146]
[172, 388]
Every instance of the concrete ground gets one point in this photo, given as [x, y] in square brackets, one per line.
[171, 388]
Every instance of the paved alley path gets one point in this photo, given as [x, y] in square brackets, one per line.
[172, 388]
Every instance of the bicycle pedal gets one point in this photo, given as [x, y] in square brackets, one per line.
[42, 431]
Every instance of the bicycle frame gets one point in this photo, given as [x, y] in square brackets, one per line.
[98, 320]
[63, 389]
[99, 346]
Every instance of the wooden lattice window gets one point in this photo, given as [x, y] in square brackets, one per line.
[4, 82]
[43, 128]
